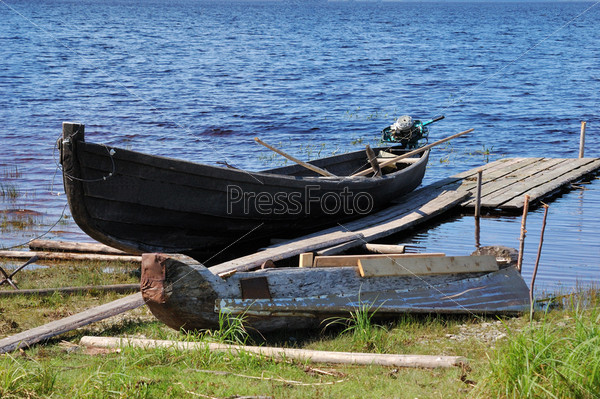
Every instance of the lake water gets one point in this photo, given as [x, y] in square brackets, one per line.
[199, 80]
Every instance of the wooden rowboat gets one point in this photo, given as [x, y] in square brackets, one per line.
[142, 203]
[184, 294]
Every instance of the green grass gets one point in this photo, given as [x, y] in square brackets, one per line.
[557, 357]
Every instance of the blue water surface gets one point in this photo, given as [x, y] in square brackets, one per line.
[198, 80]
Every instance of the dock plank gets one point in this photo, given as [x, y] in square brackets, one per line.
[586, 166]
[518, 185]
[512, 184]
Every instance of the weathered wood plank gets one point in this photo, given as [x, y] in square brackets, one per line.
[353, 260]
[442, 203]
[118, 288]
[38, 334]
[69, 256]
[515, 184]
[69, 246]
[588, 165]
[413, 266]
[291, 248]
[493, 179]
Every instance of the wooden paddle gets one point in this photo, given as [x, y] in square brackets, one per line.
[299, 162]
[391, 161]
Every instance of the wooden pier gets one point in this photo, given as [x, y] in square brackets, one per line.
[504, 184]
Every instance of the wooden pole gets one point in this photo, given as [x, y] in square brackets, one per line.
[523, 232]
[582, 139]
[537, 261]
[302, 355]
[299, 162]
[391, 161]
[117, 288]
[373, 161]
[478, 195]
[478, 209]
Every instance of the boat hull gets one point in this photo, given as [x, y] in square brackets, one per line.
[186, 295]
[142, 203]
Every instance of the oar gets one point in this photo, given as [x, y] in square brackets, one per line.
[411, 153]
[299, 162]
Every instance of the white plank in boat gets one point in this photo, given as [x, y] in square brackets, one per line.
[353, 260]
[585, 166]
[379, 267]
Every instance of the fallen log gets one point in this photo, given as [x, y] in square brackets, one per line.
[384, 248]
[302, 355]
[27, 338]
[117, 288]
[45, 255]
[71, 246]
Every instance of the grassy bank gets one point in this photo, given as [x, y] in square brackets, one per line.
[557, 355]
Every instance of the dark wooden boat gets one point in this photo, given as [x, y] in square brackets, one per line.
[184, 294]
[141, 203]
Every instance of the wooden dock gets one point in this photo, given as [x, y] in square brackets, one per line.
[504, 183]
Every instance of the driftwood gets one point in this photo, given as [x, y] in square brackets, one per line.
[118, 288]
[38, 334]
[69, 256]
[70, 246]
[303, 355]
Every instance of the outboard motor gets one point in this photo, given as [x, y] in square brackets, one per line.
[407, 132]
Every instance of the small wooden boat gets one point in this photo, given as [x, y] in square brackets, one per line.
[142, 203]
[184, 294]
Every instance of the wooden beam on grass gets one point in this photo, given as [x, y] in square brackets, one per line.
[45, 255]
[57, 327]
[302, 355]
[117, 288]
[72, 246]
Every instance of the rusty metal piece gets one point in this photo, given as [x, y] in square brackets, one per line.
[255, 288]
[152, 282]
